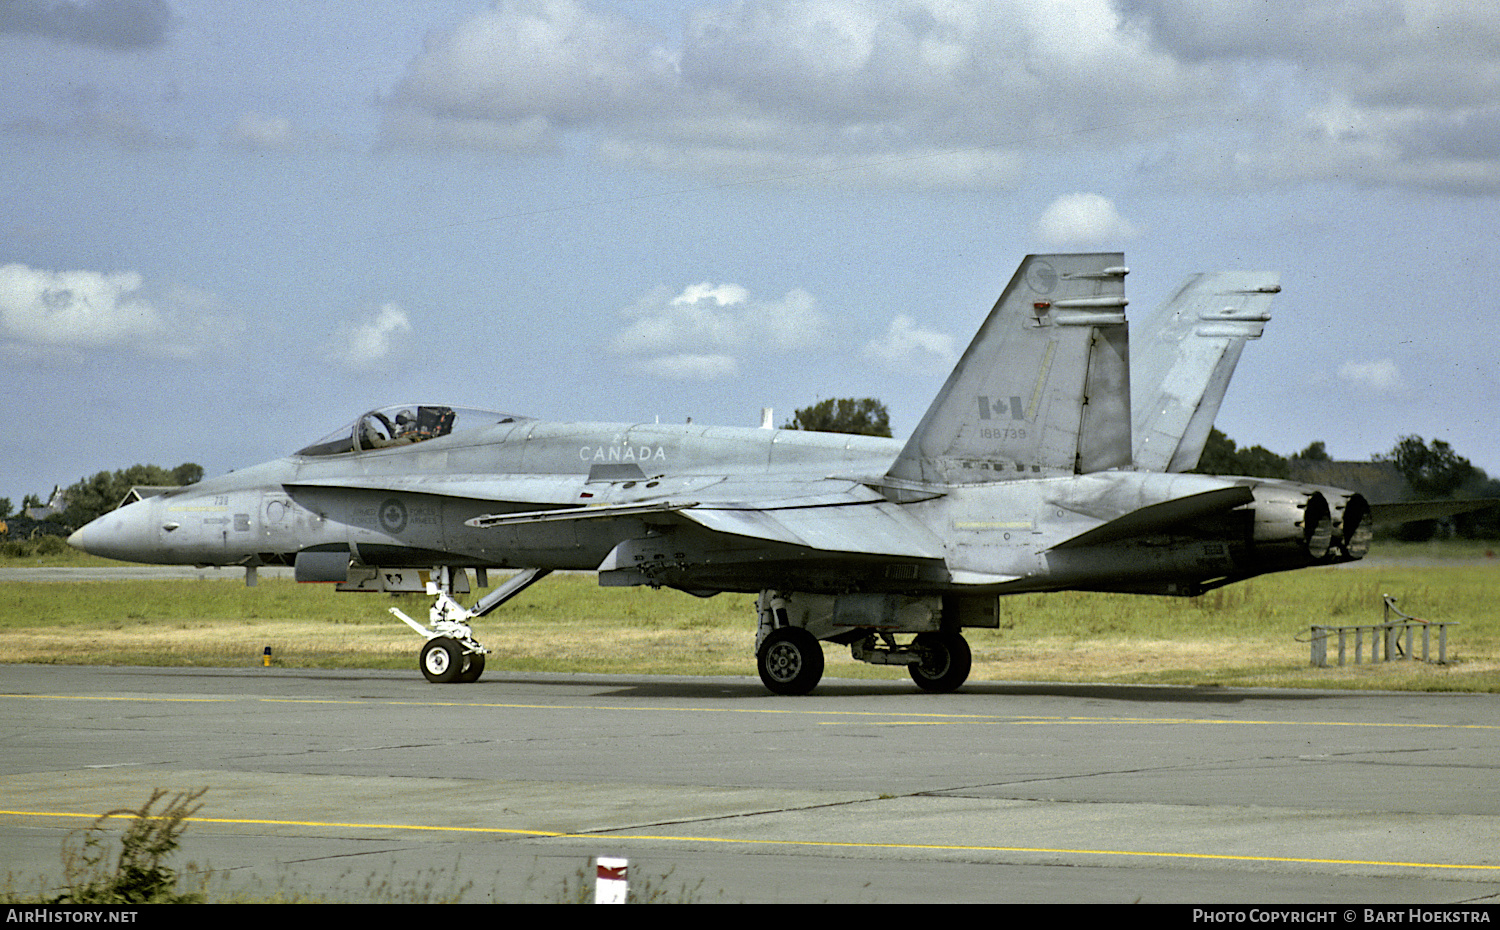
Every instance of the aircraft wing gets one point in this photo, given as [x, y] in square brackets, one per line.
[853, 526]
[865, 527]
[1185, 355]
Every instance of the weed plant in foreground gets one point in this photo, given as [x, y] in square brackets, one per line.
[100, 867]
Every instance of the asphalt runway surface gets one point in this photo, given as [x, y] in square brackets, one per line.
[326, 782]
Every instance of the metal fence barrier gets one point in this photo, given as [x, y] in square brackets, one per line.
[1390, 640]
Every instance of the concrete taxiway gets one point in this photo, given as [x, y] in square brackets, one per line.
[325, 781]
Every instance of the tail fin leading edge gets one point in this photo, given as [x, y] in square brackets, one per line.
[1044, 388]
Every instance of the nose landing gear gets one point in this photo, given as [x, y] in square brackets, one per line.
[451, 655]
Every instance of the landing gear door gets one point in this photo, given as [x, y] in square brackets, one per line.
[368, 578]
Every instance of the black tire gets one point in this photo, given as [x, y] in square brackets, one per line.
[441, 660]
[473, 668]
[946, 661]
[790, 661]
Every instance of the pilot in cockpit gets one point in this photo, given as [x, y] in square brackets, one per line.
[406, 428]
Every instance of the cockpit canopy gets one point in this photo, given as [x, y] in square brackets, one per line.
[404, 424]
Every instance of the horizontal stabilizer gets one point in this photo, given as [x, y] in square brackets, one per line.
[1161, 517]
[1392, 514]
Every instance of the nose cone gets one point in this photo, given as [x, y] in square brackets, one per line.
[127, 534]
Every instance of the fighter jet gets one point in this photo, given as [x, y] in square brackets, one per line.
[1021, 477]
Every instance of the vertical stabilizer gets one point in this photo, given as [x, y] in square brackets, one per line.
[1044, 388]
[1185, 356]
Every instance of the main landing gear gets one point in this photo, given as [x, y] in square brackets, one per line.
[790, 661]
[789, 657]
[451, 655]
[944, 661]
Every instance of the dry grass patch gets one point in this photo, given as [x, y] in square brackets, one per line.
[293, 643]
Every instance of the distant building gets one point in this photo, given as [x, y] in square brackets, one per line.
[55, 505]
[142, 491]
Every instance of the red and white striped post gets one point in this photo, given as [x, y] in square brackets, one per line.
[610, 883]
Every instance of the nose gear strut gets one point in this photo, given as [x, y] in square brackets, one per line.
[451, 653]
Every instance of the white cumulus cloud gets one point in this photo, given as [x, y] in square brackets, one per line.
[362, 345]
[82, 310]
[508, 77]
[701, 331]
[1083, 219]
[963, 94]
[905, 346]
[863, 92]
[1380, 376]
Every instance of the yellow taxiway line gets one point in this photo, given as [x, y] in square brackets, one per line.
[800, 844]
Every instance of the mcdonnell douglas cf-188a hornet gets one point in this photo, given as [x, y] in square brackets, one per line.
[1022, 476]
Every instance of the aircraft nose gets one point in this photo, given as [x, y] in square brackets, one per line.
[124, 534]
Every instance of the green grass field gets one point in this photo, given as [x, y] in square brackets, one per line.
[1253, 633]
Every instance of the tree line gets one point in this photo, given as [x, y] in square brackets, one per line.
[95, 495]
[1429, 471]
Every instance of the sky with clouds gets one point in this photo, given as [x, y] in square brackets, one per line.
[225, 229]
